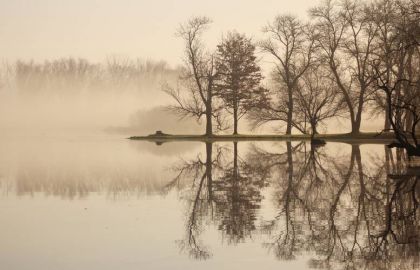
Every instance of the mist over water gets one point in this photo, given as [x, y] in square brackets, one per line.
[127, 203]
[120, 97]
[83, 186]
[71, 184]
[78, 97]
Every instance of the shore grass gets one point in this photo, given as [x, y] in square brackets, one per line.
[363, 137]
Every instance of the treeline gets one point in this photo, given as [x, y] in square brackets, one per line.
[70, 74]
[350, 58]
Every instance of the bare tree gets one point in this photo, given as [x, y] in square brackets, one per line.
[291, 43]
[405, 135]
[396, 72]
[346, 41]
[317, 98]
[383, 14]
[195, 98]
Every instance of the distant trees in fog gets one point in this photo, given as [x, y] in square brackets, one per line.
[326, 67]
[70, 74]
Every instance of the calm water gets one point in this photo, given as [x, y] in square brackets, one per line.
[101, 202]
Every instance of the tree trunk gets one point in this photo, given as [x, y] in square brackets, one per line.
[209, 114]
[357, 121]
[235, 120]
[355, 125]
[408, 120]
[387, 124]
[314, 130]
[209, 126]
[290, 112]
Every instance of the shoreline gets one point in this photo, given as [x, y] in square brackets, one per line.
[363, 137]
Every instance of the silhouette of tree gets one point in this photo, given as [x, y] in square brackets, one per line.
[317, 98]
[197, 95]
[346, 41]
[291, 43]
[396, 72]
[239, 76]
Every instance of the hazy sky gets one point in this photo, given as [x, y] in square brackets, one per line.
[94, 29]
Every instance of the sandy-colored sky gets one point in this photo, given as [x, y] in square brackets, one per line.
[94, 29]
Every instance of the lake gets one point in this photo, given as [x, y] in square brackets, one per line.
[104, 202]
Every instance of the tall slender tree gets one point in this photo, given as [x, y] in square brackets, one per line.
[239, 76]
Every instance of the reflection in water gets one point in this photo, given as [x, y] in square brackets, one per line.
[238, 197]
[76, 169]
[337, 210]
[345, 211]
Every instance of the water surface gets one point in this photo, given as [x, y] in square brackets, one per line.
[102, 202]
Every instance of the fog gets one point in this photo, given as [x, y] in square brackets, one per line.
[118, 96]
[111, 89]
[75, 96]
[79, 78]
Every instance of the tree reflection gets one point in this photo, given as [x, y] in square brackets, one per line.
[350, 211]
[347, 210]
[225, 191]
[344, 213]
[198, 173]
[238, 197]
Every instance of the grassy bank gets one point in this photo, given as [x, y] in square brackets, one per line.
[365, 137]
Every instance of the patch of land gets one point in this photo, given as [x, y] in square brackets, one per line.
[365, 137]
